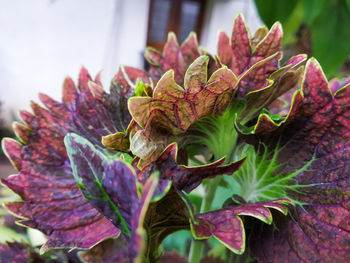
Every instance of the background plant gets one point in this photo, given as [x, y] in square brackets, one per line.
[317, 27]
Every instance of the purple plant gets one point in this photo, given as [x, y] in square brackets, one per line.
[113, 173]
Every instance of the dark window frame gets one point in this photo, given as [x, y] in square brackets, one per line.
[174, 21]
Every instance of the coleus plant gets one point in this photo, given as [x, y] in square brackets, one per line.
[112, 174]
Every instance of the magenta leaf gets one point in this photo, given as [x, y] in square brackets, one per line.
[226, 224]
[108, 184]
[276, 85]
[122, 88]
[51, 199]
[260, 55]
[317, 126]
[256, 63]
[175, 57]
[15, 252]
[336, 84]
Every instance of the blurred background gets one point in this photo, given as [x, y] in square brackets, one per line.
[43, 41]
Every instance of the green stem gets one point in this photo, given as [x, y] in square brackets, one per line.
[196, 249]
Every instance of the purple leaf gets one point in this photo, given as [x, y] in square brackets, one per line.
[108, 184]
[260, 55]
[51, 200]
[175, 57]
[122, 88]
[226, 224]
[317, 126]
[277, 84]
[184, 177]
[14, 252]
[164, 216]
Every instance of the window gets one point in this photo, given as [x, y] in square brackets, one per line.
[178, 16]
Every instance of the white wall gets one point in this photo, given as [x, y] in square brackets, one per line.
[128, 35]
[42, 41]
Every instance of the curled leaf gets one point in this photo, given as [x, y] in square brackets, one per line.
[226, 224]
[315, 127]
[172, 109]
[184, 177]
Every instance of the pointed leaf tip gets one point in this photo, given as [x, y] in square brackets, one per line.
[13, 151]
[197, 71]
[315, 84]
[52, 201]
[22, 131]
[239, 18]
[26, 116]
[69, 92]
[84, 78]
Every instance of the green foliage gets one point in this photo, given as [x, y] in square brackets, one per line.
[280, 12]
[178, 241]
[218, 132]
[260, 178]
[330, 36]
[313, 8]
[327, 21]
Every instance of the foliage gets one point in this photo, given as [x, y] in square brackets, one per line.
[114, 175]
[327, 21]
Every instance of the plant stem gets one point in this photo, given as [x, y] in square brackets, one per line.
[196, 249]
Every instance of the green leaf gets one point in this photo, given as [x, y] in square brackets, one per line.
[223, 193]
[312, 9]
[140, 88]
[292, 24]
[275, 10]
[178, 241]
[8, 234]
[330, 36]
[196, 201]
